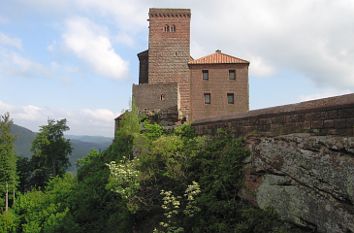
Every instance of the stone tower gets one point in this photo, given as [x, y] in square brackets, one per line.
[169, 51]
[175, 87]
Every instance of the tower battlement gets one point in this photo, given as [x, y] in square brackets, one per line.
[169, 12]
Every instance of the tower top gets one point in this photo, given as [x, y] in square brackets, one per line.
[169, 12]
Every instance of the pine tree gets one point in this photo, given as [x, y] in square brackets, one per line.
[51, 152]
[8, 177]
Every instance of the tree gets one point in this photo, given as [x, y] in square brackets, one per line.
[24, 172]
[50, 152]
[8, 178]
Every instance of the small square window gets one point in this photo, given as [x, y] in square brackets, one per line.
[230, 98]
[207, 98]
[205, 74]
[232, 74]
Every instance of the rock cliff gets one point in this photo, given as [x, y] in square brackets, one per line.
[307, 179]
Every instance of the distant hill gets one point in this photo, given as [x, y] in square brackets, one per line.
[81, 144]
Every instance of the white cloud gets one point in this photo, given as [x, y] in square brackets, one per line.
[99, 115]
[259, 67]
[14, 64]
[87, 121]
[305, 37]
[129, 15]
[7, 40]
[91, 43]
[125, 39]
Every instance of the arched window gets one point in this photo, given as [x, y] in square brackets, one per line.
[166, 28]
[173, 28]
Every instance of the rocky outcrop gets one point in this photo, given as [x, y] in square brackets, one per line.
[307, 179]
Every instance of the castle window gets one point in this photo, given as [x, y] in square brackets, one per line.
[162, 97]
[230, 98]
[173, 28]
[232, 75]
[166, 28]
[207, 98]
[205, 74]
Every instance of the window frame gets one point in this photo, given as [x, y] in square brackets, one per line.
[230, 94]
[234, 75]
[207, 95]
[205, 75]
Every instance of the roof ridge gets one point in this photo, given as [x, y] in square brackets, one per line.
[218, 58]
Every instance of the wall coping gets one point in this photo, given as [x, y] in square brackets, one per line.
[326, 103]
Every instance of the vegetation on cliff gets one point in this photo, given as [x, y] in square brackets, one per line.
[148, 180]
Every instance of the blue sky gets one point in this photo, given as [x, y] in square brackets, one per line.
[76, 59]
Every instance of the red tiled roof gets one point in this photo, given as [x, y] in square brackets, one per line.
[218, 58]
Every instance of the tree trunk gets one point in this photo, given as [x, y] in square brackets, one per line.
[7, 198]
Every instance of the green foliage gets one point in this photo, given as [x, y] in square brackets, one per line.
[124, 180]
[8, 222]
[152, 131]
[24, 172]
[185, 131]
[130, 122]
[172, 209]
[218, 169]
[50, 152]
[47, 211]
[122, 188]
[259, 221]
[95, 208]
[8, 176]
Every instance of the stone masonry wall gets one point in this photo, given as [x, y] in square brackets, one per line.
[302, 161]
[329, 116]
[148, 96]
[169, 52]
[218, 86]
[143, 67]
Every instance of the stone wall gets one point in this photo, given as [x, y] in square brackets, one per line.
[218, 86]
[143, 67]
[156, 97]
[329, 116]
[169, 52]
[302, 161]
[307, 179]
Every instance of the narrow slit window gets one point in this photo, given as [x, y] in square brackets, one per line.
[207, 98]
[173, 28]
[205, 74]
[166, 28]
[162, 97]
[232, 74]
[230, 98]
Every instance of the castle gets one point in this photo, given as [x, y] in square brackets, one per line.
[172, 82]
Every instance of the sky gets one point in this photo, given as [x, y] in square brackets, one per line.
[76, 59]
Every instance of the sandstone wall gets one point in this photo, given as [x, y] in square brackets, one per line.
[329, 116]
[302, 160]
[143, 67]
[156, 97]
[218, 86]
[308, 180]
[169, 52]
